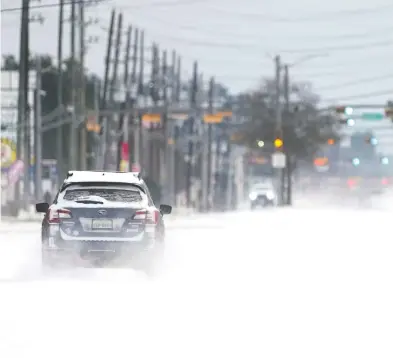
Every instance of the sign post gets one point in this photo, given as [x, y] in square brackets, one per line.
[278, 160]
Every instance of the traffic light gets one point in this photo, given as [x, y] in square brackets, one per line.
[278, 143]
[330, 141]
[343, 110]
[340, 110]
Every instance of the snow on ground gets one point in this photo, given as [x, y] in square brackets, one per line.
[303, 282]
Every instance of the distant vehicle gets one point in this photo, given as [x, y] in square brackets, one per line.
[103, 218]
[263, 194]
[372, 176]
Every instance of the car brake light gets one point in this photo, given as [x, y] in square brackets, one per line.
[351, 182]
[385, 181]
[56, 215]
[153, 217]
[150, 217]
[140, 215]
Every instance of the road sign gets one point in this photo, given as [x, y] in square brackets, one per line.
[151, 117]
[278, 160]
[370, 116]
[224, 114]
[212, 118]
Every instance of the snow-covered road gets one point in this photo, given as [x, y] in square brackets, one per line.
[276, 283]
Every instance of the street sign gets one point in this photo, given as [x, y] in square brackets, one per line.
[212, 118]
[151, 117]
[370, 116]
[224, 114]
[278, 160]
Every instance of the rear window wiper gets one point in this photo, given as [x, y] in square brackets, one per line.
[89, 202]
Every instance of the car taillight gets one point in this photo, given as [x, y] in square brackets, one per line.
[150, 217]
[140, 215]
[56, 215]
[351, 182]
[385, 181]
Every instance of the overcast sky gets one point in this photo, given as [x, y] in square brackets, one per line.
[352, 40]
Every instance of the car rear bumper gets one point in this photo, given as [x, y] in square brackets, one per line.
[99, 246]
[263, 200]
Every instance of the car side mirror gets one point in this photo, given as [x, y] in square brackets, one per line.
[41, 207]
[165, 209]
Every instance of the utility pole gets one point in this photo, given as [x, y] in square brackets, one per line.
[26, 110]
[112, 141]
[73, 133]
[172, 143]
[82, 88]
[104, 99]
[141, 93]
[165, 174]
[288, 166]
[229, 192]
[21, 92]
[38, 134]
[136, 130]
[190, 156]
[278, 115]
[154, 83]
[210, 140]
[95, 156]
[176, 99]
[125, 117]
[59, 131]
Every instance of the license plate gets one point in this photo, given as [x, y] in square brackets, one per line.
[102, 224]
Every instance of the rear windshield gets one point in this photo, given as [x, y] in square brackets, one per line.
[110, 194]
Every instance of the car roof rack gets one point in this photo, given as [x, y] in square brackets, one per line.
[70, 173]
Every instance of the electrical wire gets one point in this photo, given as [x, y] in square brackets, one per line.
[312, 78]
[239, 46]
[357, 82]
[269, 37]
[50, 5]
[155, 4]
[163, 4]
[236, 46]
[319, 16]
[362, 95]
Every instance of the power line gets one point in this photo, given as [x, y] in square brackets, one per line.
[232, 36]
[155, 4]
[309, 77]
[236, 46]
[163, 4]
[363, 95]
[328, 15]
[341, 48]
[356, 82]
[43, 6]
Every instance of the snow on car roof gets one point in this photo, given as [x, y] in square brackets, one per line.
[102, 177]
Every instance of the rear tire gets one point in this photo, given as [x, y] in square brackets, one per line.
[48, 262]
[152, 263]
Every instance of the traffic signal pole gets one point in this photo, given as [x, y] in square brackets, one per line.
[278, 115]
[287, 173]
